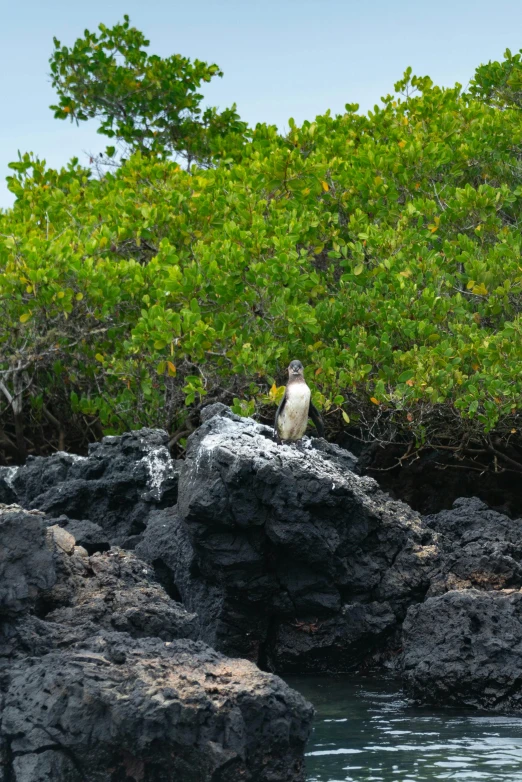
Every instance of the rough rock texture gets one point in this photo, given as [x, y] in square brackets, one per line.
[288, 557]
[480, 547]
[86, 533]
[58, 595]
[114, 591]
[26, 561]
[116, 708]
[99, 681]
[281, 554]
[115, 486]
[465, 647]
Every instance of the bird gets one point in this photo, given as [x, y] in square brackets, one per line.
[296, 407]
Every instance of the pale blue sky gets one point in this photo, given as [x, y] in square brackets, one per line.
[281, 58]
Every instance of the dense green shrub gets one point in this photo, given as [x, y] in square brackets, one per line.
[381, 250]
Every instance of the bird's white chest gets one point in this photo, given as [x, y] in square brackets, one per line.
[294, 418]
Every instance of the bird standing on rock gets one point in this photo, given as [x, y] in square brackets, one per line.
[296, 407]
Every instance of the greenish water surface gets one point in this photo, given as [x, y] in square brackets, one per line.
[365, 729]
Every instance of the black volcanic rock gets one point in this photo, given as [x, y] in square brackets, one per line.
[277, 553]
[26, 560]
[271, 540]
[86, 533]
[479, 547]
[99, 680]
[115, 591]
[117, 708]
[75, 594]
[465, 647]
[115, 486]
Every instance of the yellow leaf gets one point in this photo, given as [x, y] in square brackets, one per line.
[405, 120]
[99, 357]
[402, 144]
[374, 400]
[318, 249]
[417, 185]
[480, 289]
[29, 289]
[60, 295]
[67, 109]
[326, 186]
[433, 227]
[405, 273]
[475, 366]
[79, 296]
[470, 285]
[346, 417]
[306, 191]
[318, 371]
[377, 180]
[358, 269]
[25, 317]
[513, 431]
[171, 369]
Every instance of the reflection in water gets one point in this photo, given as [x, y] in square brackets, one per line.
[366, 730]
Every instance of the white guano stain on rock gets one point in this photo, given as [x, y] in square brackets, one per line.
[159, 467]
[72, 457]
[9, 475]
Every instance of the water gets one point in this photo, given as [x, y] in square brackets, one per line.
[366, 730]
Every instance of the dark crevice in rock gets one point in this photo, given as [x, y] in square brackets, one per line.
[165, 577]
[6, 757]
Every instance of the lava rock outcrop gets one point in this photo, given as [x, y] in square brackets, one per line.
[288, 557]
[115, 486]
[465, 648]
[463, 644]
[100, 679]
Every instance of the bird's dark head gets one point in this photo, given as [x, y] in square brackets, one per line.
[295, 369]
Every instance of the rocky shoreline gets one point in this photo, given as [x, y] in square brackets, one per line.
[140, 597]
